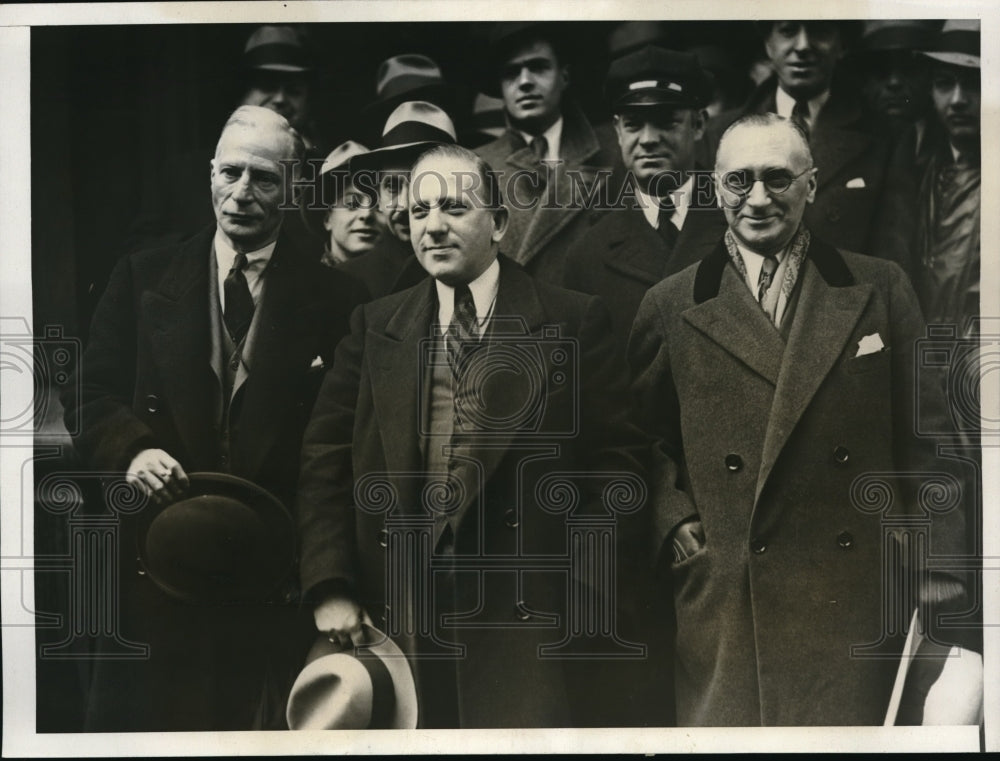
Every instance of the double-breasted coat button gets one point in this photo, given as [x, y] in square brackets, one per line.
[734, 463]
[510, 519]
[234, 365]
[138, 567]
[153, 403]
[841, 455]
[845, 540]
[520, 612]
[383, 538]
[758, 547]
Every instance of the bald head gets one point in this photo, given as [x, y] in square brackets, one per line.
[764, 177]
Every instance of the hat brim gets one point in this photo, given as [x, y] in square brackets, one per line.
[406, 710]
[177, 542]
[656, 98]
[407, 153]
[966, 60]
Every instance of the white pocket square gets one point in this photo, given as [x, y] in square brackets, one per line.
[857, 182]
[870, 345]
[317, 362]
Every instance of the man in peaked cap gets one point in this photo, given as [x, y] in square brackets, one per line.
[384, 175]
[666, 216]
[550, 157]
[206, 356]
[852, 162]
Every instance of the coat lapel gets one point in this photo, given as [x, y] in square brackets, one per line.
[395, 364]
[823, 321]
[634, 249]
[278, 356]
[179, 334]
[731, 317]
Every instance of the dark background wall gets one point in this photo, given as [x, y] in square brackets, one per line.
[124, 120]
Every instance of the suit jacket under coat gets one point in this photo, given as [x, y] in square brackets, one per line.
[547, 217]
[365, 425]
[623, 256]
[147, 379]
[852, 165]
[770, 438]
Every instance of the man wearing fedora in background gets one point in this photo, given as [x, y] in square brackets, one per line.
[852, 162]
[353, 221]
[778, 373]
[423, 402]
[383, 174]
[669, 218]
[548, 142]
[204, 358]
[279, 69]
[408, 76]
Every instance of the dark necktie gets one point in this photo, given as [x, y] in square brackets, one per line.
[666, 228]
[800, 114]
[463, 332]
[540, 146]
[767, 268]
[239, 303]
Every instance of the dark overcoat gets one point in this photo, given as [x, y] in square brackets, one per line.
[148, 380]
[774, 441]
[363, 479]
[552, 209]
[623, 256]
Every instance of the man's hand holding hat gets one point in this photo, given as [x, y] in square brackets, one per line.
[339, 617]
[159, 474]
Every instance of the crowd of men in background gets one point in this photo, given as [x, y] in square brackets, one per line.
[768, 244]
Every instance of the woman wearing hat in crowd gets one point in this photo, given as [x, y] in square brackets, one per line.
[353, 221]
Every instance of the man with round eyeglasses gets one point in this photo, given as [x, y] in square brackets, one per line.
[775, 374]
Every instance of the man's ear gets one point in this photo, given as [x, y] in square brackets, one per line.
[501, 217]
[811, 196]
[564, 74]
[699, 117]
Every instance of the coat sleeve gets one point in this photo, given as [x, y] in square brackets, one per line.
[658, 409]
[101, 390]
[325, 500]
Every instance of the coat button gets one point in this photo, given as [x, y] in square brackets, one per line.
[224, 459]
[138, 567]
[841, 455]
[758, 547]
[153, 403]
[845, 540]
[385, 615]
[734, 463]
[510, 519]
[234, 365]
[383, 538]
[520, 612]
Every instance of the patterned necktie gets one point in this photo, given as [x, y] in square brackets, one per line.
[800, 114]
[239, 303]
[665, 226]
[463, 332]
[767, 268]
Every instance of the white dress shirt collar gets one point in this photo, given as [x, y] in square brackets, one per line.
[553, 136]
[484, 293]
[257, 261]
[682, 201]
[784, 103]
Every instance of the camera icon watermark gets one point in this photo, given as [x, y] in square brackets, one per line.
[504, 387]
[46, 362]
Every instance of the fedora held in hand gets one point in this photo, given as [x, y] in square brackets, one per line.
[368, 687]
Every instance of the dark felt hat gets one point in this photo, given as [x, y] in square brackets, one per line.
[227, 541]
[506, 36]
[279, 49]
[655, 76]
